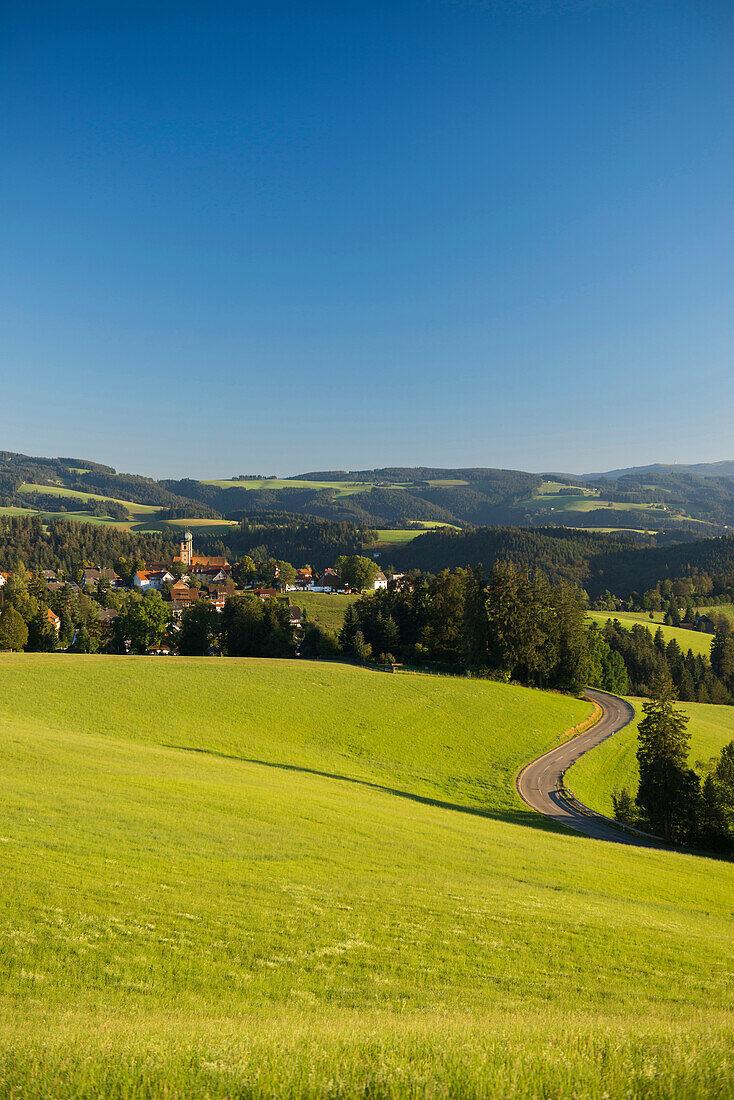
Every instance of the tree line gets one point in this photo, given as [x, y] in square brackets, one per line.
[512, 625]
[696, 677]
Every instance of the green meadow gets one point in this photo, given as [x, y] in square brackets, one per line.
[686, 639]
[251, 878]
[137, 511]
[614, 763]
[324, 609]
[341, 488]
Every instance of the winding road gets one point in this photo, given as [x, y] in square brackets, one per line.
[539, 784]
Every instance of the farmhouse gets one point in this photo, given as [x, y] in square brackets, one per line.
[706, 625]
[329, 581]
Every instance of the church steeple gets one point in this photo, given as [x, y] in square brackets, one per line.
[187, 549]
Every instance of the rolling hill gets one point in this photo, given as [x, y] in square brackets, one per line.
[303, 879]
[676, 501]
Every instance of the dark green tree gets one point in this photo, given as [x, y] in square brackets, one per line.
[13, 630]
[357, 571]
[42, 636]
[666, 793]
[199, 629]
[142, 622]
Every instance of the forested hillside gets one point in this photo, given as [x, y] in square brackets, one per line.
[675, 503]
[596, 562]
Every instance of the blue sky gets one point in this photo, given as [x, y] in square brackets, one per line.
[272, 237]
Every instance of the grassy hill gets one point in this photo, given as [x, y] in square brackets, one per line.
[258, 878]
[614, 763]
[323, 609]
[686, 639]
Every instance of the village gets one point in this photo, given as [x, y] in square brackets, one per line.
[179, 584]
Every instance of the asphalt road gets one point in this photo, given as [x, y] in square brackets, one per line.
[539, 783]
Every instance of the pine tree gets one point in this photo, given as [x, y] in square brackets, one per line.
[666, 792]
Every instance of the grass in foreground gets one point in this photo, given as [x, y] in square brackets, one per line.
[614, 763]
[253, 878]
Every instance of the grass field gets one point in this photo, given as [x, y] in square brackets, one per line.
[614, 762]
[323, 609]
[341, 488]
[584, 502]
[140, 515]
[399, 536]
[135, 510]
[726, 609]
[252, 878]
[686, 639]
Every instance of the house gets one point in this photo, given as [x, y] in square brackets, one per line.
[296, 615]
[56, 586]
[183, 594]
[706, 624]
[54, 620]
[265, 593]
[48, 575]
[219, 577]
[379, 583]
[92, 577]
[304, 579]
[220, 591]
[145, 579]
[329, 581]
[4, 578]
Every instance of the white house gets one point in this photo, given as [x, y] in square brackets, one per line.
[146, 579]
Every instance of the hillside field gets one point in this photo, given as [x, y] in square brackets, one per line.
[614, 763]
[323, 608]
[686, 639]
[250, 878]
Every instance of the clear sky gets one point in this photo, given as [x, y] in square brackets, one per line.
[273, 237]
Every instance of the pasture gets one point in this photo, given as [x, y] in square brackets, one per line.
[248, 878]
[686, 639]
[340, 488]
[614, 763]
[324, 609]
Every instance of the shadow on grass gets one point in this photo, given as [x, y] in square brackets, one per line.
[525, 817]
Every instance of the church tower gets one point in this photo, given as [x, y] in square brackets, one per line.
[187, 549]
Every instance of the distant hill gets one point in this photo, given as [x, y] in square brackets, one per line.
[681, 502]
[698, 469]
